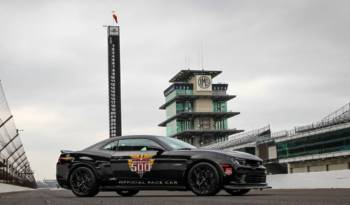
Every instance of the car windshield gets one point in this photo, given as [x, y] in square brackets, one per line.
[177, 144]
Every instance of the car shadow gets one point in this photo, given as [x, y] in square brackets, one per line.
[178, 196]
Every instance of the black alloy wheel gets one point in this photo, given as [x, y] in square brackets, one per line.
[127, 192]
[83, 182]
[237, 192]
[204, 179]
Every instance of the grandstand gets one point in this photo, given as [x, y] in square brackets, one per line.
[320, 146]
[245, 142]
[14, 165]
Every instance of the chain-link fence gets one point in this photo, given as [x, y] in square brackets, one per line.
[14, 165]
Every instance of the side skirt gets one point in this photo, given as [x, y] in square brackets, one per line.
[114, 188]
[247, 186]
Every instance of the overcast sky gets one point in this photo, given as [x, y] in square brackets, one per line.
[287, 62]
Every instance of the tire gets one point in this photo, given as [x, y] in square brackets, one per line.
[237, 192]
[204, 179]
[127, 193]
[83, 182]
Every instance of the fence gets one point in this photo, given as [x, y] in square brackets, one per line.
[14, 165]
[241, 138]
[340, 116]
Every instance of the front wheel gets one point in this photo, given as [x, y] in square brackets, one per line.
[237, 192]
[83, 182]
[127, 192]
[204, 179]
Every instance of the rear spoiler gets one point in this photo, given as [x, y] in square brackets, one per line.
[66, 151]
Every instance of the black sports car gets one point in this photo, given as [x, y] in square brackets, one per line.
[128, 164]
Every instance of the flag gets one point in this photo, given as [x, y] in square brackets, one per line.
[114, 15]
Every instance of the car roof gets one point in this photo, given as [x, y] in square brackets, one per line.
[106, 141]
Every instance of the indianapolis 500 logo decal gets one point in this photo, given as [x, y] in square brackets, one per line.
[141, 163]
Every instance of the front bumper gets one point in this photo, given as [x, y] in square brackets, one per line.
[245, 177]
[63, 183]
[62, 172]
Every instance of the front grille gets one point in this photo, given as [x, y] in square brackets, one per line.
[253, 163]
[248, 162]
[255, 178]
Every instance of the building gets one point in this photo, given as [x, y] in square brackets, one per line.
[196, 108]
[320, 146]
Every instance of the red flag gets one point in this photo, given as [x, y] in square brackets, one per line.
[114, 15]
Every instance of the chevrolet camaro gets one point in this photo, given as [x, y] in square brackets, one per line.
[128, 164]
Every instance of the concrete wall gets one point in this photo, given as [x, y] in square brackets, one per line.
[338, 163]
[338, 166]
[311, 180]
[171, 110]
[203, 105]
[171, 128]
[319, 168]
[299, 169]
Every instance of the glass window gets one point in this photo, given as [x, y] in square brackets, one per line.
[111, 146]
[176, 144]
[137, 145]
[204, 124]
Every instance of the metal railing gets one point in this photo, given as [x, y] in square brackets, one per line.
[242, 138]
[14, 165]
[339, 114]
[342, 115]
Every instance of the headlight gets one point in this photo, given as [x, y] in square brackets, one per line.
[244, 162]
[239, 161]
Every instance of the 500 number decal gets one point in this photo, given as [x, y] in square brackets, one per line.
[141, 163]
[140, 167]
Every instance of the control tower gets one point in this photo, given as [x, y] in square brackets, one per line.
[196, 108]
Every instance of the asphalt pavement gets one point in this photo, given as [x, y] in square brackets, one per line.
[64, 197]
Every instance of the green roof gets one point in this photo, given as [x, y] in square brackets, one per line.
[187, 115]
[207, 133]
[180, 98]
[185, 75]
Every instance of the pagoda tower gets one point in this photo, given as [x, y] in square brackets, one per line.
[196, 108]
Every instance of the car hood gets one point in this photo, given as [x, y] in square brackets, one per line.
[236, 154]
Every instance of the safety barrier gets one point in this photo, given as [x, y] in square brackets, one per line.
[14, 165]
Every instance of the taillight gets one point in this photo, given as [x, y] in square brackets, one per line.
[228, 170]
[65, 158]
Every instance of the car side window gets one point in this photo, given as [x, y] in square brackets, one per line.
[112, 146]
[137, 145]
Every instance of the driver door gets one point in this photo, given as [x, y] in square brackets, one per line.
[133, 160]
[143, 162]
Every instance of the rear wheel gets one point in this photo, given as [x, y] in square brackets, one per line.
[127, 192]
[83, 182]
[237, 192]
[204, 179]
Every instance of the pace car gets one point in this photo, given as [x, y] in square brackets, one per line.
[128, 164]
